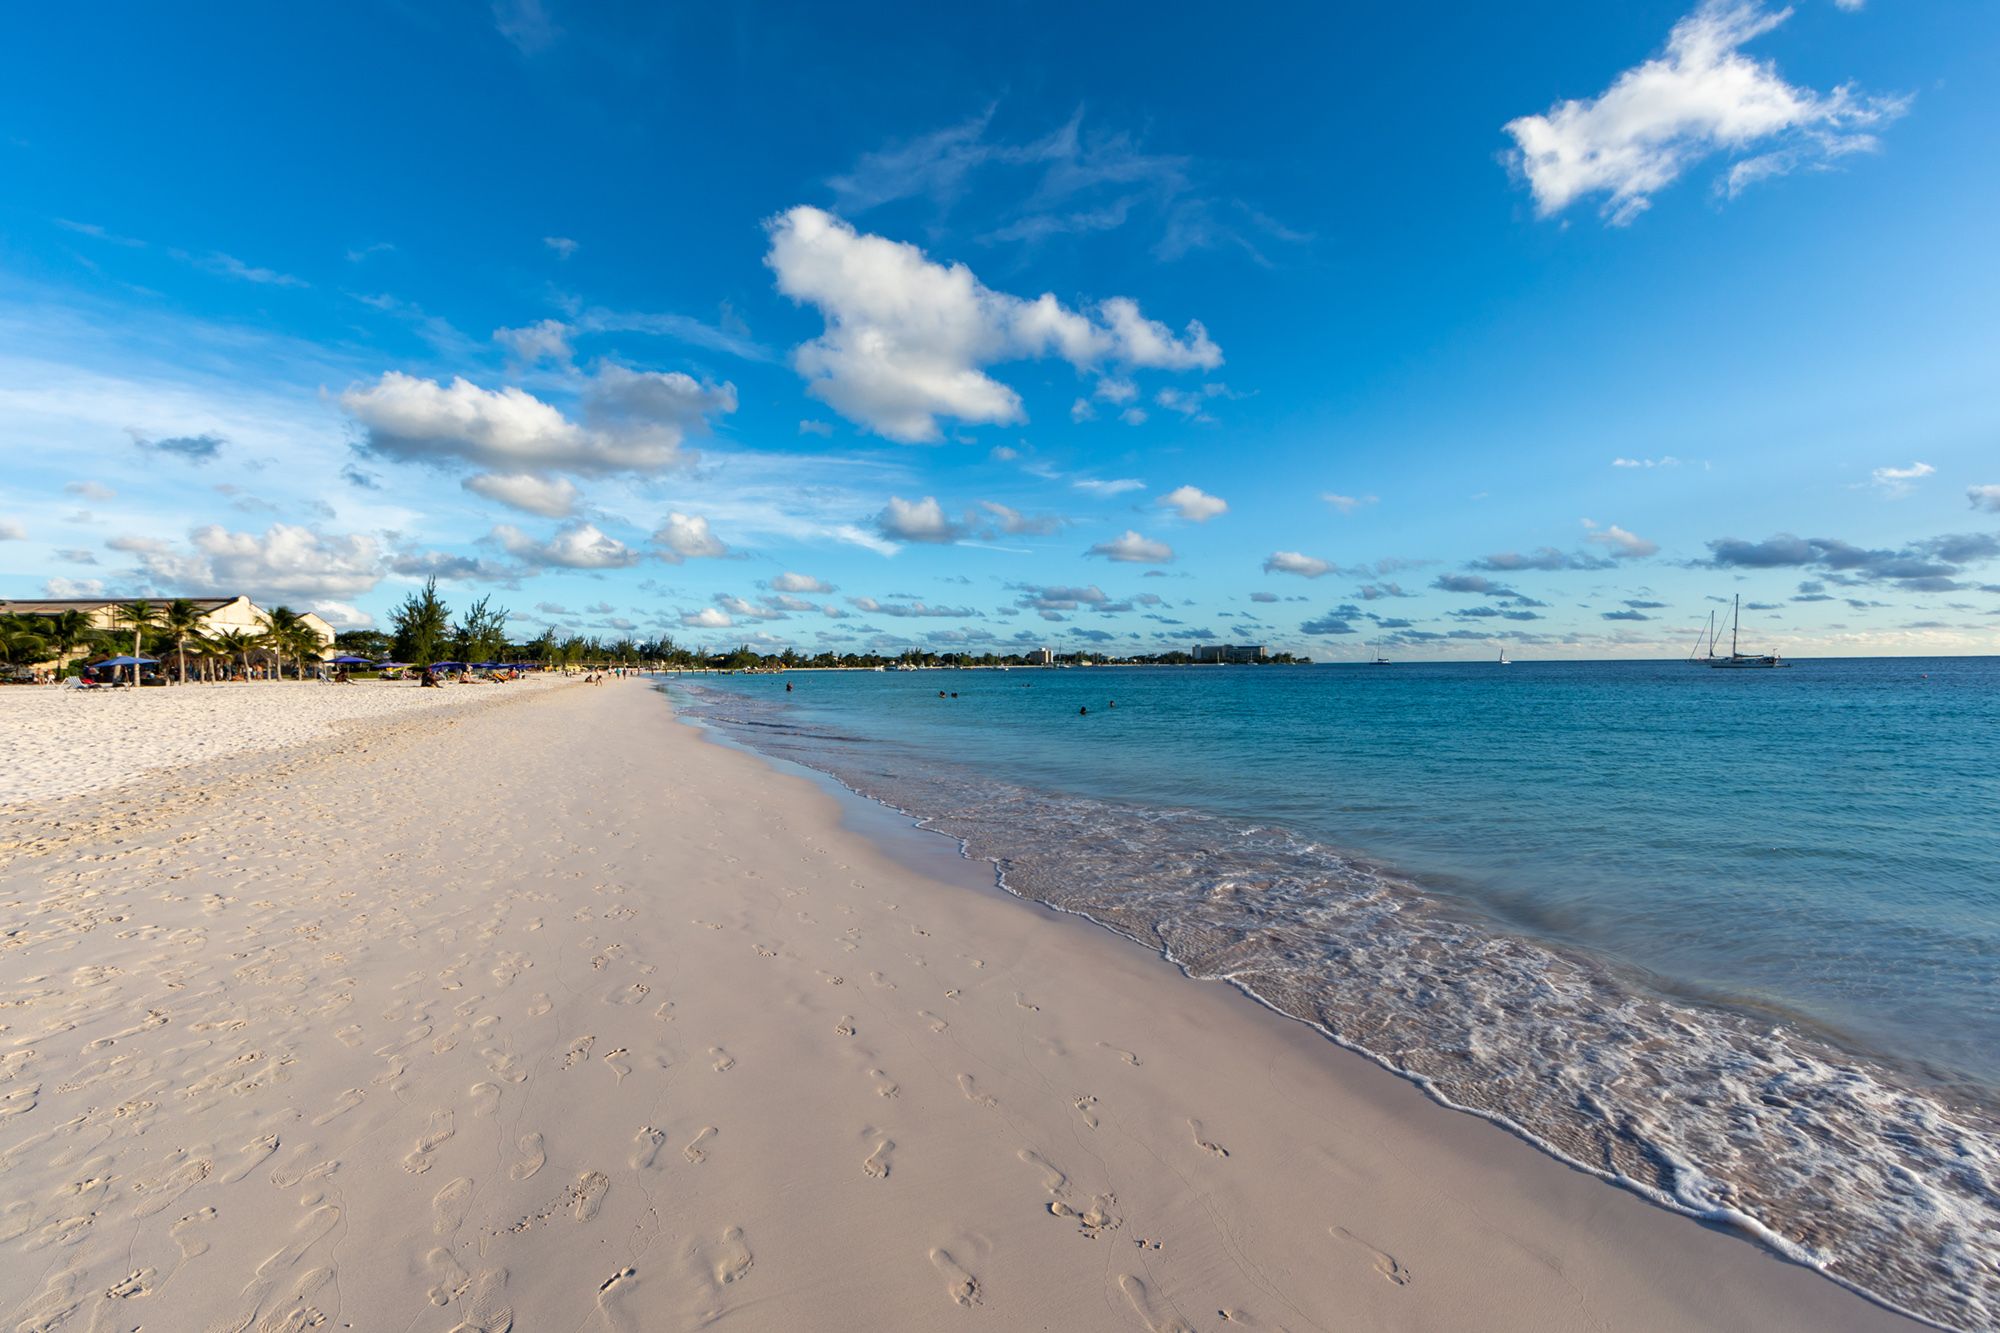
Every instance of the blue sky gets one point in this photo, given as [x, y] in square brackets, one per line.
[1538, 325]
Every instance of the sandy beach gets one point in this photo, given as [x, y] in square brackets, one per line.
[535, 1008]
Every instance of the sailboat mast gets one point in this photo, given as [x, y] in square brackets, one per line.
[1735, 621]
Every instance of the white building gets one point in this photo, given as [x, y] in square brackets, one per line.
[219, 614]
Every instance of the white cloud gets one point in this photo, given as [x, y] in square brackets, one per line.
[636, 422]
[1700, 97]
[1133, 416]
[90, 490]
[740, 608]
[910, 609]
[1119, 486]
[342, 615]
[1667, 461]
[1133, 549]
[286, 562]
[1197, 506]
[1114, 390]
[820, 428]
[1016, 523]
[708, 617]
[1347, 504]
[1984, 497]
[908, 340]
[1622, 544]
[917, 521]
[551, 497]
[687, 537]
[547, 340]
[574, 546]
[1292, 562]
[562, 245]
[1081, 411]
[791, 582]
[11, 531]
[1894, 482]
[66, 588]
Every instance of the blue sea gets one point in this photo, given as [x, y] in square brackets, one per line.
[1729, 938]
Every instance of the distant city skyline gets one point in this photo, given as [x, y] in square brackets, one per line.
[1550, 328]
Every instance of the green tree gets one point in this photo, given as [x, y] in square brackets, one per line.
[481, 634]
[66, 631]
[181, 621]
[139, 617]
[22, 640]
[421, 626]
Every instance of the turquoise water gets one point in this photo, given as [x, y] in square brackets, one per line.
[1732, 938]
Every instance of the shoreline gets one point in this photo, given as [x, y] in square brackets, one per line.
[773, 1077]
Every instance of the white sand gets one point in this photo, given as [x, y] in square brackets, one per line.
[555, 1015]
[56, 743]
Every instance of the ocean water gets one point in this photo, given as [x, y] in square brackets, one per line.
[1731, 939]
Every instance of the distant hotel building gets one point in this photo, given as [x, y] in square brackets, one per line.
[1229, 652]
[1043, 657]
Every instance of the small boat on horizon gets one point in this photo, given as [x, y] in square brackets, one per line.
[1503, 658]
[1736, 660]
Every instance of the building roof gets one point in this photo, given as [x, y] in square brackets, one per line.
[49, 606]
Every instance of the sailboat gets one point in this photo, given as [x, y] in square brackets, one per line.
[1503, 658]
[1375, 658]
[1738, 659]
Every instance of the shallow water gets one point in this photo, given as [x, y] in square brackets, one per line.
[1732, 938]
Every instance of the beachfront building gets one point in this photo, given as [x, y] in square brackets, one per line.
[219, 615]
[1043, 657]
[1236, 653]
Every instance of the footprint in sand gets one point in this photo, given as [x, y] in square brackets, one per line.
[845, 1027]
[579, 1050]
[1119, 1051]
[936, 1024]
[960, 1285]
[619, 1063]
[448, 1206]
[1148, 1308]
[1021, 1002]
[419, 1159]
[649, 1141]
[448, 1276]
[187, 1233]
[1086, 1107]
[876, 1164]
[972, 1093]
[1201, 1142]
[532, 1157]
[485, 1098]
[724, 1061]
[694, 1152]
[729, 1259]
[881, 981]
[588, 1194]
[249, 1156]
[884, 1085]
[1385, 1263]
[483, 1307]
[1053, 1179]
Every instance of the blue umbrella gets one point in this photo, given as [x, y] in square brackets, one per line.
[349, 659]
[127, 661]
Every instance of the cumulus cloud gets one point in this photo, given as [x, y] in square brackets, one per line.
[546, 340]
[90, 490]
[1623, 545]
[790, 582]
[708, 617]
[1894, 482]
[1933, 564]
[1133, 549]
[909, 340]
[1017, 524]
[1193, 504]
[917, 521]
[1294, 562]
[342, 615]
[1984, 497]
[1701, 97]
[1542, 557]
[189, 448]
[574, 546]
[634, 422]
[11, 531]
[1117, 486]
[284, 563]
[687, 537]
[1347, 504]
[1472, 583]
[1329, 625]
[909, 609]
[551, 497]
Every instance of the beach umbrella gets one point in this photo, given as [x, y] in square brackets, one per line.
[127, 661]
[349, 659]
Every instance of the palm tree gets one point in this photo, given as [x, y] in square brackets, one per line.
[139, 617]
[66, 631]
[21, 640]
[281, 636]
[234, 644]
[179, 621]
